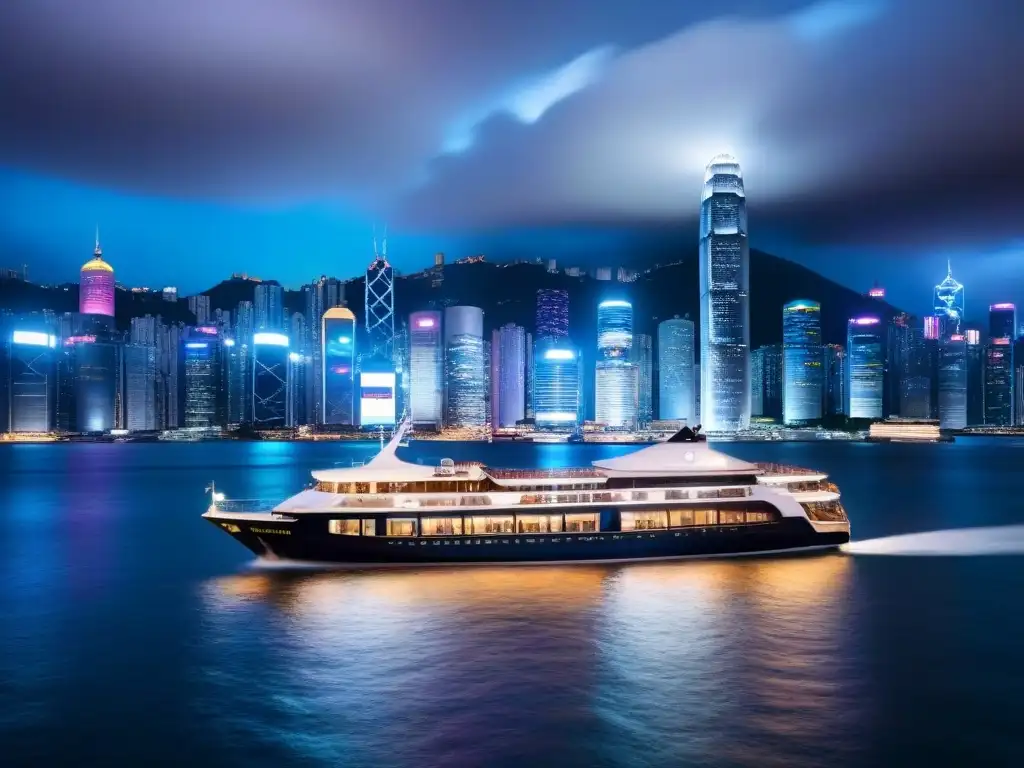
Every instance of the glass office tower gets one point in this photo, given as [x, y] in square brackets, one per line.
[865, 365]
[466, 379]
[953, 382]
[801, 355]
[676, 359]
[426, 369]
[31, 384]
[724, 299]
[270, 380]
[337, 359]
[557, 384]
[616, 383]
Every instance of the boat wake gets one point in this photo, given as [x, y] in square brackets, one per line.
[996, 540]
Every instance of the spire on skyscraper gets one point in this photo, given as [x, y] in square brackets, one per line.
[98, 251]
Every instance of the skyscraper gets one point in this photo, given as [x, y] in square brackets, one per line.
[31, 382]
[865, 368]
[380, 304]
[426, 369]
[676, 385]
[616, 385]
[552, 313]
[834, 364]
[270, 380]
[801, 355]
[898, 341]
[508, 372]
[557, 384]
[999, 383]
[953, 382]
[643, 359]
[337, 336]
[269, 307]
[96, 285]
[1002, 321]
[204, 387]
[917, 369]
[466, 380]
[975, 378]
[91, 363]
[767, 387]
[724, 299]
[140, 389]
[199, 305]
[1018, 381]
[949, 304]
[320, 295]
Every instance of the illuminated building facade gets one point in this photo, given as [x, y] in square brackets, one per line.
[552, 313]
[380, 304]
[321, 295]
[949, 305]
[377, 385]
[465, 376]
[337, 357]
[767, 386]
[802, 372]
[30, 384]
[557, 384]
[90, 363]
[140, 387]
[96, 285]
[865, 365]
[508, 375]
[270, 380]
[999, 383]
[1002, 321]
[916, 371]
[834, 366]
[643, 358]
[204, 384]
[953, 382]
[724, 299]
[426, 369]
[269, 307]
[1018, 381]
[975, 378]
[616, 383]
[676, 359]
[932, 327]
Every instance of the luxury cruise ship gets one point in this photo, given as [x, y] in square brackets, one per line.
[670, 500]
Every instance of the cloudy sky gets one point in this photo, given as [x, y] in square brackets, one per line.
[877, 137]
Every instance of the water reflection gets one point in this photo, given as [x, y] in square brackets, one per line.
[682, 662]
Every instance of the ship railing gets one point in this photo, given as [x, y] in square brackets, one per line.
[529, 474]
[771, 468]
[245, 505]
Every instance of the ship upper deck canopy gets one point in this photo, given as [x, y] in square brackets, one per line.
[676, 458]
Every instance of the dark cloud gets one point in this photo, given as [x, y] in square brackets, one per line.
[276, 98]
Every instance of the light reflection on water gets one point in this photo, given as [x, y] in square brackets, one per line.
[677, 662]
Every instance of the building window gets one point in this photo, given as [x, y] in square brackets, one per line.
[344, 527]
[539, 523]
[679, 518]
[644, 521]
[705, 517]
[731, 517]
[369, 526]
[441, 526]
[581, 523]
[401, 527]
[478, 525]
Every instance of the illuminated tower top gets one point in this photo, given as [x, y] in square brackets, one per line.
[96, 284]
[380, 303]
[949, 303]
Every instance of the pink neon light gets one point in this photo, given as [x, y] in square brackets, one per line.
[426, 322]
[931, 327]
[957, 337]
[877, 293]
[70, 341]
[1002, 306]
[973, 336]
[209, 330]
[864, 321]
[1003, 341]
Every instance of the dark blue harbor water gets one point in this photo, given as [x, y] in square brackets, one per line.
[133, 633]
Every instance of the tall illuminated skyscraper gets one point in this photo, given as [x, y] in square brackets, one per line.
[643, 359]
[724, 299]
[676, 353]
[767, 374]
[552, 313]
[834, 365]
[30, 382]
[975, 378]
[426, 364]
[949, 304]
[96, 285]
[865, 368]
[801, 362]
[337, 336]
[616, 385]
[557, 384]
[508, 375]
[953, 382]
[270, 380]
[380, 304]
[1002, 321]
[999, 383]
[466, 380]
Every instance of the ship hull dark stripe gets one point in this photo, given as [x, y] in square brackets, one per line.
[302, 543]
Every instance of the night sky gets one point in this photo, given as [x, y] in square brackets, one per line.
[878, 137]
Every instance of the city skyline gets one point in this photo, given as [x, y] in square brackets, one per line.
[581, 142]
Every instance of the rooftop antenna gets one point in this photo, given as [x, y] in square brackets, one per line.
[97, 250]
[949, 267]
[375, 251]
[384, 246]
